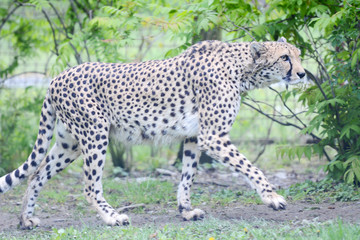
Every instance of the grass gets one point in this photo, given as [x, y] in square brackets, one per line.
[156, 193]
[132, 192]
[223, 197]
[207, 229]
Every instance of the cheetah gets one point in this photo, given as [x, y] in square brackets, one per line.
[193, 97]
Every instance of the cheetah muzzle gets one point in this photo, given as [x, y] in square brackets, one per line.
[193, 97]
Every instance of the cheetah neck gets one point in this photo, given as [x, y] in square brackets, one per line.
[247, 73]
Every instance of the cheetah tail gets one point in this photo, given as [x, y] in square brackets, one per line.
[46, 129]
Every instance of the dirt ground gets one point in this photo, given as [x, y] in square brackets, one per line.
[62, 216]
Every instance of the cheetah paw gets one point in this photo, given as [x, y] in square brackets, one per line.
[274, 200]
[196, 214]
[118, 220]
[29, 223]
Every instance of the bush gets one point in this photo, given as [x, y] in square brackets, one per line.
[335, 99]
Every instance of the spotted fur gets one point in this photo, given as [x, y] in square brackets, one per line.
[193, 97]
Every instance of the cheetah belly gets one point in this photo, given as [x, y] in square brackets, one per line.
[175, 130]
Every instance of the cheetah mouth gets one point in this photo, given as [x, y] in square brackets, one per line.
[289, 81]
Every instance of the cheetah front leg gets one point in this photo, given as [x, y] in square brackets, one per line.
[222, 149]
[191, 155]
[94, 152]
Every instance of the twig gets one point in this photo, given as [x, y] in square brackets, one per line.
[165, 172]
[212, 183]
[267, 138]
[126, 208]
[279, 122]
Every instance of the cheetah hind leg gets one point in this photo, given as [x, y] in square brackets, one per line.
[190, 161]
[64, 152]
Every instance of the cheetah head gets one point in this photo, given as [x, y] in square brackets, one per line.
[277, 62]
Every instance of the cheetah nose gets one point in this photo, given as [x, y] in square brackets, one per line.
[301, 74]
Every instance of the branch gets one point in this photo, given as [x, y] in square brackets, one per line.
[60, 19]
[287, 107]
[292, 125]
[53, 32]
[81, 28]
[318, 56]
[77, 55]
[239, 27]
[317, 82]
[273, 119]
[328, 77]
[279, 114]
[19, 74]
[3, 21]
[88, 13]
[279, 122]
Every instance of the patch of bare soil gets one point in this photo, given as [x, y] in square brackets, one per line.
[62, 216]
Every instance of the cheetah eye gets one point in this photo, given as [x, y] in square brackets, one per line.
[285, 58]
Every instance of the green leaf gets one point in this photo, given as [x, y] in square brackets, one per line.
[355, 58]
[40, 4]
[343, 55]
[346, 130]
[356, 167]
[319, 9]
[349, 176]
[299, 151]
[307, 152]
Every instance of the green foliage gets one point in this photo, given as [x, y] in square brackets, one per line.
[19, 113]
[326, 189]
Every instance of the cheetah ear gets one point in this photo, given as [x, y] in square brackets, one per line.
[282, 39]
[257, 49]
